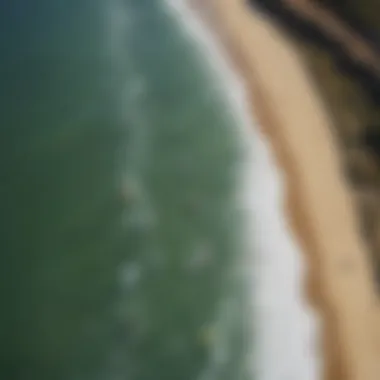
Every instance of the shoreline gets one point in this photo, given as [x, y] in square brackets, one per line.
[284, 323]
[318, 204]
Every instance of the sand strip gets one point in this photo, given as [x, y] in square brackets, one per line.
[319, 207]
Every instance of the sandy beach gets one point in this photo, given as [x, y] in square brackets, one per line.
[319, 203]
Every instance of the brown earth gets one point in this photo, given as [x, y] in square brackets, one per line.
[313, 130]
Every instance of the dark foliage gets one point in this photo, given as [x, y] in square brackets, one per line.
[312, 33]
[309, 32]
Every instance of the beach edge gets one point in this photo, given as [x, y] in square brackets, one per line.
[319, 205]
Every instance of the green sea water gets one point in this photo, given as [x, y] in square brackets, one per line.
[119, 225]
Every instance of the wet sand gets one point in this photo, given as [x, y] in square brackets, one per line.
[319, 205]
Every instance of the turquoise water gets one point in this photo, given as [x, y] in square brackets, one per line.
[119, 227]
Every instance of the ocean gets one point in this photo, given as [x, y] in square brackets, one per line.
[142, 234]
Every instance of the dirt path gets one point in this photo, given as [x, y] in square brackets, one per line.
[319, 206]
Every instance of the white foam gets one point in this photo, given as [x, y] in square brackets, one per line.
[285, 328]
